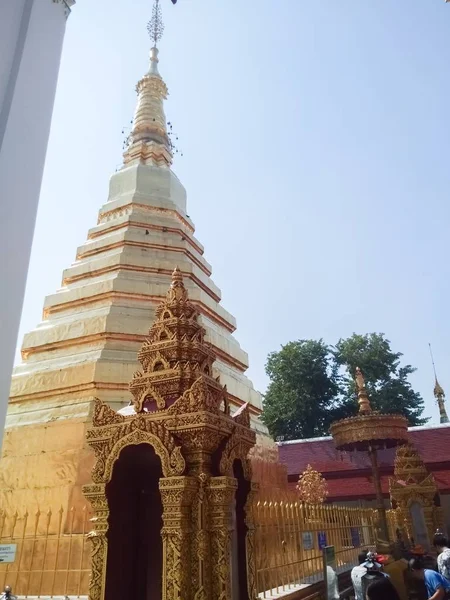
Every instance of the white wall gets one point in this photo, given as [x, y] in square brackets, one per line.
[31, 37]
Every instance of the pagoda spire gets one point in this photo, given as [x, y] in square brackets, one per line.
[363, 398]
[439, 393]
[149, 142]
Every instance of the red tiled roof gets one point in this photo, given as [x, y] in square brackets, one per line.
[352, 487]
[433, 444]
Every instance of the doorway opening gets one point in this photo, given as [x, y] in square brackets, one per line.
[135, 554]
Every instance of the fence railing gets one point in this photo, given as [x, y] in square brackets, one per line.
[290, 535]
[52, 553]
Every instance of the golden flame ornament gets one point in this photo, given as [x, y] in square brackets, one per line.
[312, 487]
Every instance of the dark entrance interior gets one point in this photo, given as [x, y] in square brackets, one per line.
[134, 564]
[240, 587]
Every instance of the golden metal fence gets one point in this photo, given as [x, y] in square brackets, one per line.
[52, 553]
[290, 535]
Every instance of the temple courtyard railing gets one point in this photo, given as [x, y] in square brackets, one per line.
[290, 537]
[51, 552]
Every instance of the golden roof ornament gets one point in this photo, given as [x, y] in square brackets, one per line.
[312, 487]
[439, 393]
[363, 398]
[409, 468]
[175, 355]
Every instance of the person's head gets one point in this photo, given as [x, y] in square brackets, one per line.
[7, 588]
[417, 567]
[362, 556]
[440, 541]
[382, 589]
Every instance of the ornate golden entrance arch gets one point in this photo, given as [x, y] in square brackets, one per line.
[183, 413]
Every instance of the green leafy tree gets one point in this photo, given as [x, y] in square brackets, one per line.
[312, 384]
[386, 380]
[303, 390]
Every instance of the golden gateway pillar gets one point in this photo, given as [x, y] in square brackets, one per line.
[172, 474]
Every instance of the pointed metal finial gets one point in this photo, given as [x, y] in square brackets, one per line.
[363, 398]
[438, 392]
[155, 26]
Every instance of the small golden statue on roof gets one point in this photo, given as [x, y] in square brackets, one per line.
[312, 487]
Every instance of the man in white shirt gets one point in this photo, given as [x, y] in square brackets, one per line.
[440, 542]
[7, 594]
[332, 584]
[357, 573]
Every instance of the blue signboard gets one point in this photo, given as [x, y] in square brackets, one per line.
[307, 540]
[322, 539]
[356, 539]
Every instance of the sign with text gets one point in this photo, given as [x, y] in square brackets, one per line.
[8, 553]
[356, 538]
[307, 540]
[322, 539]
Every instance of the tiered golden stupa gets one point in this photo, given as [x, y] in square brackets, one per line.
[94, 325]
[414, 494]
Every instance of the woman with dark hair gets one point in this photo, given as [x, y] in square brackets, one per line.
[437, 586]
[382, 589]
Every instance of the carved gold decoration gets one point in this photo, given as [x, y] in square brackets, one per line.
[182, 411]
[412, 483]
[363, 398]
[312, 487]
[370, 431]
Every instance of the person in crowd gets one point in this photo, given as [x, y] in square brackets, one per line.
[440, 542]
[332, 584]
[382, 589]
[357, 573]
[7, 594]
[436, 585]
[396, 566]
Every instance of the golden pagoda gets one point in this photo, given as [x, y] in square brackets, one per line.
[87, 344]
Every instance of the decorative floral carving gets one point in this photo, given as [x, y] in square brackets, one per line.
[104, 415]
[312, 487]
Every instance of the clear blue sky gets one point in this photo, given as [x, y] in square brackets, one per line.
[316, 146]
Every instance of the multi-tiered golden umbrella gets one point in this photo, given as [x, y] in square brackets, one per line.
[370, 431]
